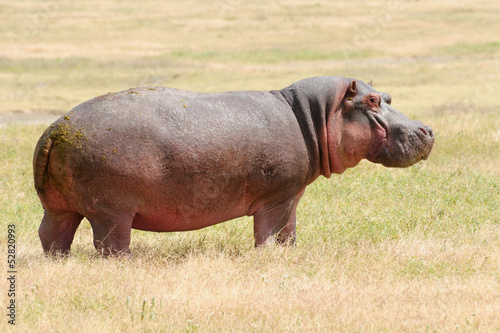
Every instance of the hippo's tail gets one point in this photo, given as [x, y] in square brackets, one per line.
[41, 161]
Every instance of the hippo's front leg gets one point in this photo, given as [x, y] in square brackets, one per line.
[287, 235]
[277, 219]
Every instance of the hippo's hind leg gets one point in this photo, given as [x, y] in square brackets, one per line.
[111, 233]
[57, 231]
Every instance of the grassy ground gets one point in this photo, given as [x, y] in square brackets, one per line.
[414, 249]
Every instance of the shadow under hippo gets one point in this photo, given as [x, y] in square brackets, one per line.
[163, 159]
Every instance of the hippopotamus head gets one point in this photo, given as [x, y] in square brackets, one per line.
[346, 120]
[375, 130]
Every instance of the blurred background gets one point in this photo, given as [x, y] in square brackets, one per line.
[56, 54]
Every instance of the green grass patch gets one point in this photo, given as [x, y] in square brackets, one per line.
[270, 55]
[468, 48]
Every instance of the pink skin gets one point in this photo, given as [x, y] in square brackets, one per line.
[160, 159]
[350, 141]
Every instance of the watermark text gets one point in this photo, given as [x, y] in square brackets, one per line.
[11, 274]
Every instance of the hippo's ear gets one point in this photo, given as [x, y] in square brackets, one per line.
[353, 88]
[386, 97]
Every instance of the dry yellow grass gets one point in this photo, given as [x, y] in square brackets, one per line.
[392, 286]
[378, 250]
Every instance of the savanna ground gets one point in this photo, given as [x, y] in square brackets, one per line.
[378, 249]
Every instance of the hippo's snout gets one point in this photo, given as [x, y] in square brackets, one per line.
[407, 143]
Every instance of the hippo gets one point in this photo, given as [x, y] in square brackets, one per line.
[162, 159]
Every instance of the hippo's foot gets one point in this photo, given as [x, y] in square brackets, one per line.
[287, 236]
[111, 234]
[57, 231]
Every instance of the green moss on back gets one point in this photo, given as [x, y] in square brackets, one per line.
[65, 135]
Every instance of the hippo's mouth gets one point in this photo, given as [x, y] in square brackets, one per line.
[381, 152]
[380, 121]
[381, 149]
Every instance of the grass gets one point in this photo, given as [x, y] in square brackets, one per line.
[378, 249]
[472, 48]
[271, 55]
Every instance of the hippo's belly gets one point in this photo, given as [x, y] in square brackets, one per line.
[184, 218]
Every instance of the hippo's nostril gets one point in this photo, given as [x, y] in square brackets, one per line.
[427, 131]
[431, 134]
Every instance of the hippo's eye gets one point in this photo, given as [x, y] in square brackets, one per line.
[374, 100]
